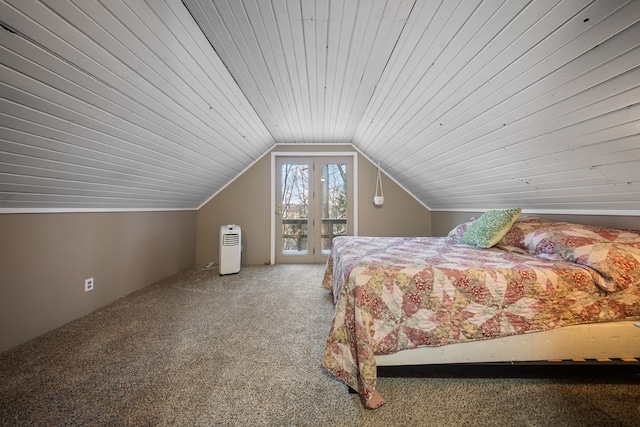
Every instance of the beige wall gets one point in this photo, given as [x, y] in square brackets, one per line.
[246, 202]
[45, 258]
[401, 214]
[443, 222]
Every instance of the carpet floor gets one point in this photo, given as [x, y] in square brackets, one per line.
[200, 349]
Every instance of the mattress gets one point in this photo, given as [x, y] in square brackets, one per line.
[594, 341]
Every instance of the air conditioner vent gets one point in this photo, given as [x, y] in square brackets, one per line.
[230, 239]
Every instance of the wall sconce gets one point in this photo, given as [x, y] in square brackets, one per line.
[378, 198]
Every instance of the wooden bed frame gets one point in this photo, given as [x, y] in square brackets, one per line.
[597, 341]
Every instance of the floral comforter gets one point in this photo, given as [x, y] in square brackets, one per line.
[401, 293]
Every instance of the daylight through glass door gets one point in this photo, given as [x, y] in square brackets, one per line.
[334, 182]
[294, 206]
[313, 206]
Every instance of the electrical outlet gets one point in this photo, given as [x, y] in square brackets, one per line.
[88, 285]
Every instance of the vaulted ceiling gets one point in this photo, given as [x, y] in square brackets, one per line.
[127, 104]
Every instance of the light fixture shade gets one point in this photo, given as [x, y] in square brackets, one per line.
[378, 198]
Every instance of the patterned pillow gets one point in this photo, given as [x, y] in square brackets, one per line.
[619, 264]
[458, 231]
[513, 241]
[487, 230]
[613, 253]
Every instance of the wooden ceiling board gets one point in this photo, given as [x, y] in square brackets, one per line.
[117, 91]
[466, 104]
[308, 67]
[448, 150]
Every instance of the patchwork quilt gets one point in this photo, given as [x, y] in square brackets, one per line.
[401, 293]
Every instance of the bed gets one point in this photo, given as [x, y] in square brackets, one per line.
[502, 289]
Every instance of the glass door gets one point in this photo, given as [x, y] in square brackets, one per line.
[334, 203]
[313, 205]
[293, 206]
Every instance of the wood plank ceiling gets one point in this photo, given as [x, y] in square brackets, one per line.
[467, 104]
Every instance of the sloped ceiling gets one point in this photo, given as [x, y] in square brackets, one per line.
[467, 104]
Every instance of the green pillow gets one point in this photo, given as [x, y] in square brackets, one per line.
[487, 230]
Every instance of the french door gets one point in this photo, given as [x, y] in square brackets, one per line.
[313, 204]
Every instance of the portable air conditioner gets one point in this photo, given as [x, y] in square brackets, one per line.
[230, 249]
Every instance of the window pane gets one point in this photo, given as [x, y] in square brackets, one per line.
[295, 208]
[334, 203]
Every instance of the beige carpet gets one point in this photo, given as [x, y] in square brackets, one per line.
[197, 349]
